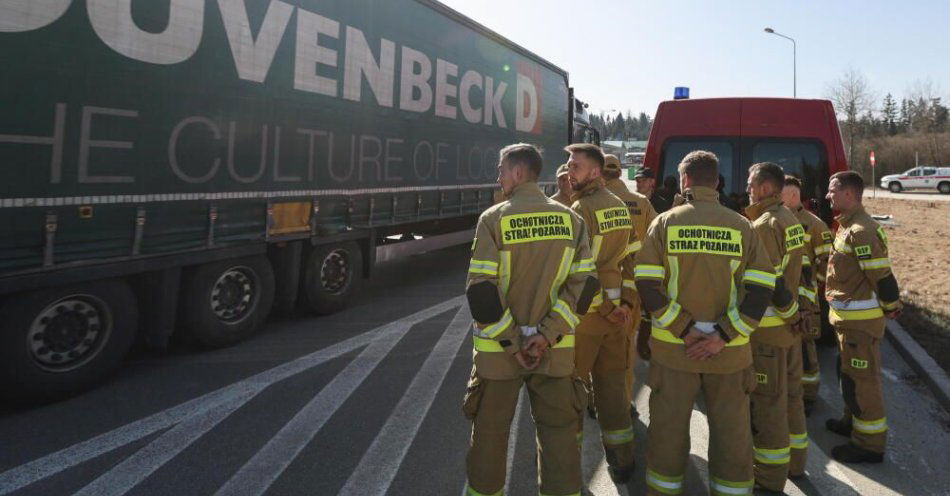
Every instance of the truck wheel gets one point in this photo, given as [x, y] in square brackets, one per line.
[332, 274]
[895, 187]
[61, 341]
[944, 187]
[224, 302]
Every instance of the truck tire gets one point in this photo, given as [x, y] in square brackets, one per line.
[895, 187]
[944, 187]
[332, 273]
[226, 301]
[61, 341]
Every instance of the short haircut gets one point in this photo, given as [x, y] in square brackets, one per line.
[702, 167]
[793, 181]
[611, 173]
[524, 154]
[591, 150]
[768, 172]
[850, 180]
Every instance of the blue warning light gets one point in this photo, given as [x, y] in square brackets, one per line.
[681, 93]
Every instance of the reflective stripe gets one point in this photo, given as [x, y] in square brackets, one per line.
[854, 304]
[842, 246]
[495, 329]
[483, 267]
[471, 492]
[585, 265]
[664, 484]
[822, 249]
[627, 283]
[672, 311]
[720, 486]
[504, 271]
[668, 337]
[811, 378]
[869, 426]
[798, 441]
[807, 237]
[564, 310]
[561, 275]
[874, 313]
[733, 312]
[759, 276]
[806, 260]
[487, 345]
[621, 436]
[774, 318]
[807, 293]
[875, 263]
[633, 247]
[792, 310]
[567, 341]
[779, 456]
[595, 246]
[650, 271]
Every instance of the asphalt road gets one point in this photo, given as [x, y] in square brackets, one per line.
[927, 195]
[367, 402]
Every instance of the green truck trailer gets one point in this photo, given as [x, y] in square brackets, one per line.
[190, 165]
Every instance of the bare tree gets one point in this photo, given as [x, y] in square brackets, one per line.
[852, 96]
[930, 114]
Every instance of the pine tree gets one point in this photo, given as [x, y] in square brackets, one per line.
[889, 115]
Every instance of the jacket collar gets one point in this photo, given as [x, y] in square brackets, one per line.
[846, 219]
[758, 208]
[591, 188]
[699, 194]
[526, 190]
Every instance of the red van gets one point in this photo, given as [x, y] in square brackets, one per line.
[800, 135]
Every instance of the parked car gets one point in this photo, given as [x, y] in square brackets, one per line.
[923, 177]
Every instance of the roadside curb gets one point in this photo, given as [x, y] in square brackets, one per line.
[922, 363]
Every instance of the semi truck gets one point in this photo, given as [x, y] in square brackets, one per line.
[188, 166]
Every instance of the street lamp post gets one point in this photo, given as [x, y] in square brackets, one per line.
[794, 61]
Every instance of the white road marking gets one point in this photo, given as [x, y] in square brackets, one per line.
[260, 472]
[381, 461]
[135, 469]
[19, 477]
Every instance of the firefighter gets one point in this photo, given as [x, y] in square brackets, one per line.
[564, 190]
[706, 280]
[641, 214]
[861, 291]
[814, 263]
[530, 276]
[778, 413]
[602, 341]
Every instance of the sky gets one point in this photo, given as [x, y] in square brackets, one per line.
[629, 54]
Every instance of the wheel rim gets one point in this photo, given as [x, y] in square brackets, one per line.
[335, 272]
[944, 188]
[69, 332]
[234, 294]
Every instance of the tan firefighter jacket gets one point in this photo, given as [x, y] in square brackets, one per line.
[784, 239]
[818, 240]
[641, 215]
[702, 265]
[611, 239]
[533, 254]
[860, 285]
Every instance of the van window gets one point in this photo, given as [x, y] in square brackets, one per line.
[804, 159]
[675, 149]
[914, 173]
[930, 172]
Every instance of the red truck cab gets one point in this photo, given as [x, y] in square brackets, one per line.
[800, 135]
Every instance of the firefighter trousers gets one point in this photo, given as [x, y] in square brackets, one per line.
[726, 397]
[811, 375]
[631, 329]
[779, 431]
[601, 356]
[556, 403]
[859, 373]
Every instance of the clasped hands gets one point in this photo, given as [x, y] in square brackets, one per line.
[702, 346]
[533, 348]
